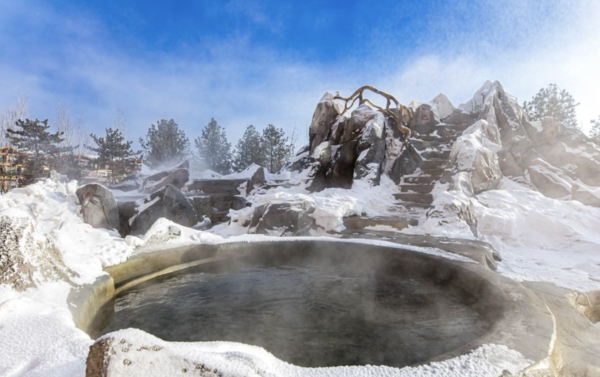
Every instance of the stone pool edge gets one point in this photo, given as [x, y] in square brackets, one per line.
[524, 311]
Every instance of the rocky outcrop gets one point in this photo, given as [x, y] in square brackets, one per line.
[27, 258]
[585, 195]
[98, 206]
[283, 219]
[324, 116]
[177, 178]
[549, 180]
[475, 153]
[130, 183]
[355, 148]
[169, 203]
[258, 179]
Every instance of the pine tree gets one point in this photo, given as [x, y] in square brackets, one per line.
[115, 153]
[553, 102]
[248, 150]
[213, 148]
[595, 131]
[277, 148]
[44, 148]
[165, 143]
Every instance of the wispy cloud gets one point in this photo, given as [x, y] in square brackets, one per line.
[240, 82]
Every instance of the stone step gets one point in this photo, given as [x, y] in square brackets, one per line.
[453, 127]
[444, 140]
[422, 145]
[436, 154]
[423, 189]
[420, 180]
[432, 164]
[397, 222]
[410, 197]
[409, 208]
[434, 172]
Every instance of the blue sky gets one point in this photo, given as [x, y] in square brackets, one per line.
[266, 62]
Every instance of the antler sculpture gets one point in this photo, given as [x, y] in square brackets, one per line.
[395, 115]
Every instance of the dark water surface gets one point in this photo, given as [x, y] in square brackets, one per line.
[308, 316]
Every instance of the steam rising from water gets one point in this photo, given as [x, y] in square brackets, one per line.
[309, 316]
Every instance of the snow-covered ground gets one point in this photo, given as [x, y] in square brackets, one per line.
[539, 239]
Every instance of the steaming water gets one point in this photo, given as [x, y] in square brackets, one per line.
[307, 316]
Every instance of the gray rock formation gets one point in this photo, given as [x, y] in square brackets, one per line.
[324, 116]
[486, 172]
[258, 179]
[585, 196]
[169, 203]
[177, 178]
[424, 120]
[549, 180]
[283, 219]
[98, 206]
[130, 183]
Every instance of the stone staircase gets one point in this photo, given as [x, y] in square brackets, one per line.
[415, 195]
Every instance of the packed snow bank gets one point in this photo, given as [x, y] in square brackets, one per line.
[235, 359]
[331, 205]
[37, 335]
[539, 238]
[54, 208]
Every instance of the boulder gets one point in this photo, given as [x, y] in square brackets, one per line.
[549, 180]
[500, 109]
[203, 206]
[257, 179]
[28, 258]
[585, 196]
[475, 153]
[177, 178]
[575, 154]
[217, 186]
[127, 210]
[407, 163]
[98, 206]
[508, 165]
[442, 106]
[169, 203]
[486, 172]
[324, 116]
[371, 149]
[424, 119]
[300, 161]
[283, 219]
[129, 183]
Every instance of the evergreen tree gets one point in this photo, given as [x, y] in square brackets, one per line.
[248, 150]
[115, 153]
[276, 147]
[213, 148]
[553, 102]
[44, 148]
[595, 131]
[165, 143]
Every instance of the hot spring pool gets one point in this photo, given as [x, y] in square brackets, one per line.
[310, 312]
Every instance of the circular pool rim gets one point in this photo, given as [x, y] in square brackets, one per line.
[518, 319]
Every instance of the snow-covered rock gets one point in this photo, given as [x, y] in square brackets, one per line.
[290, 218]
[324, 116]
[27, 258]
[442, 107]
[169, 203]
[475, 153]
